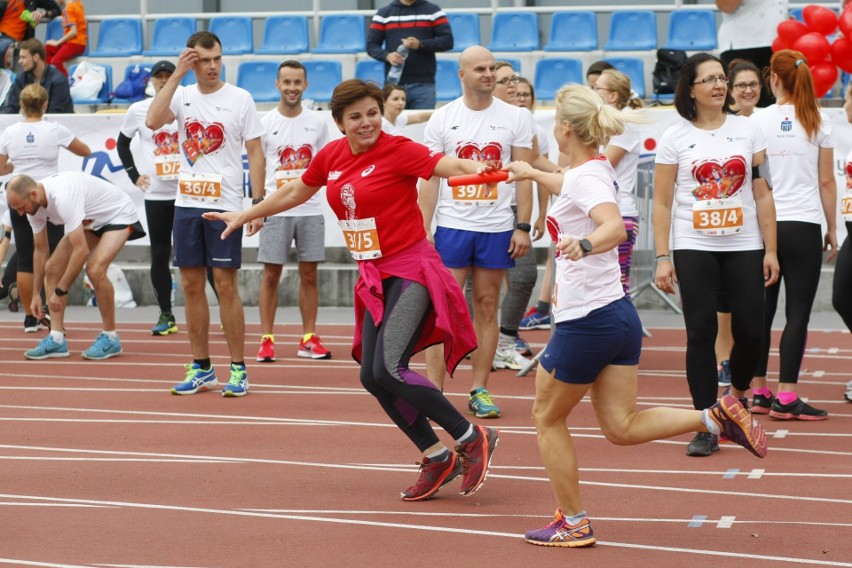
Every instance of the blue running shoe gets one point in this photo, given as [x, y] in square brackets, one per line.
[197, 379]
[724, 372]
[535, 320]
[238, 385]
[165, 325]
[103, 348]
[522, 347]
[48, 348]
[481, 405]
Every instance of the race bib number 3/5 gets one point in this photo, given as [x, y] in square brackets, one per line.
[478, 195]
[718, 217]
[204, 188]
[167, 166]
[362, 238]
[846, 207]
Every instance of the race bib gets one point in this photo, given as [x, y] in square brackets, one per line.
[167, 166]
[204, 188]
[846, 207]
[478, 195]
[361, 238]
[283, 177]
[718, 217]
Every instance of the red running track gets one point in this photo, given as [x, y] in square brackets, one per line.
[101, 466]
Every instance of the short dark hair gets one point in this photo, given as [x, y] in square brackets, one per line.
[33, 46]
[598, 67]
[353, 90]
[206, 40]
[683, 102]
[293, 64]
[389, 89]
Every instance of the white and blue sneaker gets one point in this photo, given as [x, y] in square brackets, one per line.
[238, 384]
[103, 348]
[48, 348]
[197, 379]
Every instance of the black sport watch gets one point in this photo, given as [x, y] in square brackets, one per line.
[60, 292]
[586, 245]
[525, 227]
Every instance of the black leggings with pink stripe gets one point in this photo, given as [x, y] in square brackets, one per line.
[409, 398]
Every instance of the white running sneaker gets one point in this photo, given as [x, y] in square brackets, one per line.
[509, 359]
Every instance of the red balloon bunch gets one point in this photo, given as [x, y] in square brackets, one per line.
[811, 39]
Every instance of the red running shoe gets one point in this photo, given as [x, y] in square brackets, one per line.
[738, 425]
[476, 458]
[432, 476]
[313, 349]
[266, 354]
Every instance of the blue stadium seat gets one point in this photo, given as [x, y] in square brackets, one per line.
[170, 35]
[634, 68]
[692, 30]
[465, 28]
[345, 33]
[119, 37]
[514, 31]
[796, 13]
[189, 78]
[285, 34]
[516, 63]
[551, 73]
[103, 94]
[127, 70]
[573, 31]
[54, 29]
[634, 30]
[447, 82]
[370, 70]
[258, 78]
[235, 33]
[323, 77]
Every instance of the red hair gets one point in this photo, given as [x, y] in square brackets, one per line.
[792, 70]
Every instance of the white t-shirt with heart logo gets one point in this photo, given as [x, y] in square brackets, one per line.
[153, 145]
[490, 134]
[712, 165]
[216, 126]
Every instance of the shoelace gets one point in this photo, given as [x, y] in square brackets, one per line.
[483, 398]
[237, 376]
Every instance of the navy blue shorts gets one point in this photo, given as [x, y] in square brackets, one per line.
[580, 349]
[460, 249]
[198, 242]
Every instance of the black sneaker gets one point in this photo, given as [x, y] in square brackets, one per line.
[31, 324]
[761, 404]
[703, 444]
[796, 410]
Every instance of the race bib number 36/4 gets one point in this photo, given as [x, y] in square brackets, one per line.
[718, 217]
[478, 195]
[205, 188]
[362, 238]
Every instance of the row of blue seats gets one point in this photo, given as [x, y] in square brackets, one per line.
[689, 30]
[258, 77]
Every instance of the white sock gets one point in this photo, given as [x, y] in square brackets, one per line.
[468, 436]
[505, 342]
[111, 334]
[57, 336]
[440, 455]
[712, 427]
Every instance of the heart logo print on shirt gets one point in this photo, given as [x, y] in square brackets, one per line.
[491, 151]
[291, 158]
[719, 180]
[210, 138]
[166, 142]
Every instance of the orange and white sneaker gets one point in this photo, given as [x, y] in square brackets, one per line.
[266, 354]
[312, 348]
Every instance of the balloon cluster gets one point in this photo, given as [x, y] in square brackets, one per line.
[810, 38]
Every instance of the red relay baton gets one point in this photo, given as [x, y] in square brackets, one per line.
[475, 179]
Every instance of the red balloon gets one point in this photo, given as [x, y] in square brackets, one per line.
[778, 45]
[820, 19]
[813, 46]
[841, 53]
[845, 21]
[824, 75]
[791, 30]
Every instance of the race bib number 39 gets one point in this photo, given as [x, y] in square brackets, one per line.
[204, 188]
[362, 238]
[718, 217]
[167, 166]
[479, 195]
[846, 207]
[283, 177]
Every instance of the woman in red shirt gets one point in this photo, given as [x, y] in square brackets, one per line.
[405, 299]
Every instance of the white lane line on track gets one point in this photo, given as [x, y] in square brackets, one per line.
[432, 528]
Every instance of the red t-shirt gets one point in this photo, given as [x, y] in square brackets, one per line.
[381, 183]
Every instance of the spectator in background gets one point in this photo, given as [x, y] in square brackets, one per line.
[747, 31]
[15, 28]
[424, 29]
[34, 69]
[74, 38]
[393, 120]
[594, 71]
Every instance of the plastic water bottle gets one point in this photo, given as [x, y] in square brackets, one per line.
[396, 70]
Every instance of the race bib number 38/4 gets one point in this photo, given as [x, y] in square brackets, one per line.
[718, 217]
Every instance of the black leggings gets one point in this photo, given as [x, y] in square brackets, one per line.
[161, 216]
[25, 244]
[841, 294]
[406, 396]
[701, 275]
[800, 258]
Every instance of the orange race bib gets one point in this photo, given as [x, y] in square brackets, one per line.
[283, 177]
[167, 166]
[477, 195]
[362, 238]
[204, 188]
[846, 207]
[718, 217]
